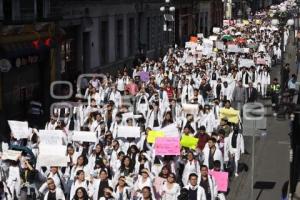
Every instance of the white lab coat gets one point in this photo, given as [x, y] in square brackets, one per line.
[186, 90]
[240, 147]
[96, 185]
[189, 167]
[212, 185]
[200, 192]
[217, 156]
[58, 193]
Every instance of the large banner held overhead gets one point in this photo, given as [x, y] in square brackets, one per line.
[189, 142]
[19, 129]
[84, 136]
[52, 137]
[167, 146]
[171, 130]
[11, 155]
[129, 131]
[231, 114]
[221, 180]
[190, 108]
[52, 155]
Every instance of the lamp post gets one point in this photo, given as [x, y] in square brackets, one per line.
[169, 20]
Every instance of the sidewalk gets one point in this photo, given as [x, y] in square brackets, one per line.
[271, 160]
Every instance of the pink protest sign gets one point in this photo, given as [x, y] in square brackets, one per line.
[221, 180]
[261, 61]
[167, 146]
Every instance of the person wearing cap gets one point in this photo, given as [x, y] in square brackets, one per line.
[195, 191]
[143, 180]
[122, 190]
[234, 147]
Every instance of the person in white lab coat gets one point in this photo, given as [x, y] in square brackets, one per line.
[195, 191]
[208, 183]
[187, 92]
[211, 153]
[234, 147]
[53, 191]
[191, 166]
[81, 182]
[100, 184]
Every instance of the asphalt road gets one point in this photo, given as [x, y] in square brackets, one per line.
[271, 156]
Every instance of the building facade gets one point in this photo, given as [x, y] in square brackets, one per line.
[46, 40]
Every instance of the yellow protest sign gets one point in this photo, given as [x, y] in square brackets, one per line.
[231, 114]
[189, 141]
[245, 22]
[258, 21]
[152, 135]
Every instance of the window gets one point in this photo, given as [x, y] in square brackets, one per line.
[27, 10]
[104, 42]
[131, 36]
[119, 39]
[148, 33]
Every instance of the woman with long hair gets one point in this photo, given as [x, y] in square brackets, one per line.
[81, 194]
[122, 189]
[80, 165]
[80, 182]
[170, 189]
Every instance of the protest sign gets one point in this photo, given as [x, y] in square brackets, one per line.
[129, 131]
[170, 130]
[52, 155]
[216, 30]
[11, 155]
[207, 46]
[232, 48]
[221, 180]
[189, 142]
[213, 37]
[245, 22]
[246, 63]
[231, 114]
[261, 61]
[127, 115]
[144, 76]
[19, 129]
[220, 45]
[152, 135]
[191, 45]
[52, 137]
[84, 136]
[167, 146]
[190, 108]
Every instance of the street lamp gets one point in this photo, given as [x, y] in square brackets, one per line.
[169, 21]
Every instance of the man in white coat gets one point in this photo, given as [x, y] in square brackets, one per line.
[211, 153]
[234, 147]
[187, 92]
[53, 191]
[208, 183]
[195, 190]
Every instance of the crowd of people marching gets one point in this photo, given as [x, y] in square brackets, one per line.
[212, 77]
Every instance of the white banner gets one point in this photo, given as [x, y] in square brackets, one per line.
[129, 131]
[52, 137]
[216, 30]
[246, 63]
[220, 45]
[11, 155]
[232, 48]
[19, 129]
[84, 136]
[190, 108]
[52, 155]
[171, 130]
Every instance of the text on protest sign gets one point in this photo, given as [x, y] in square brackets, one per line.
[19, 129]
[52, 155]
[129, 131]
[84, 136]
[167, 146]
